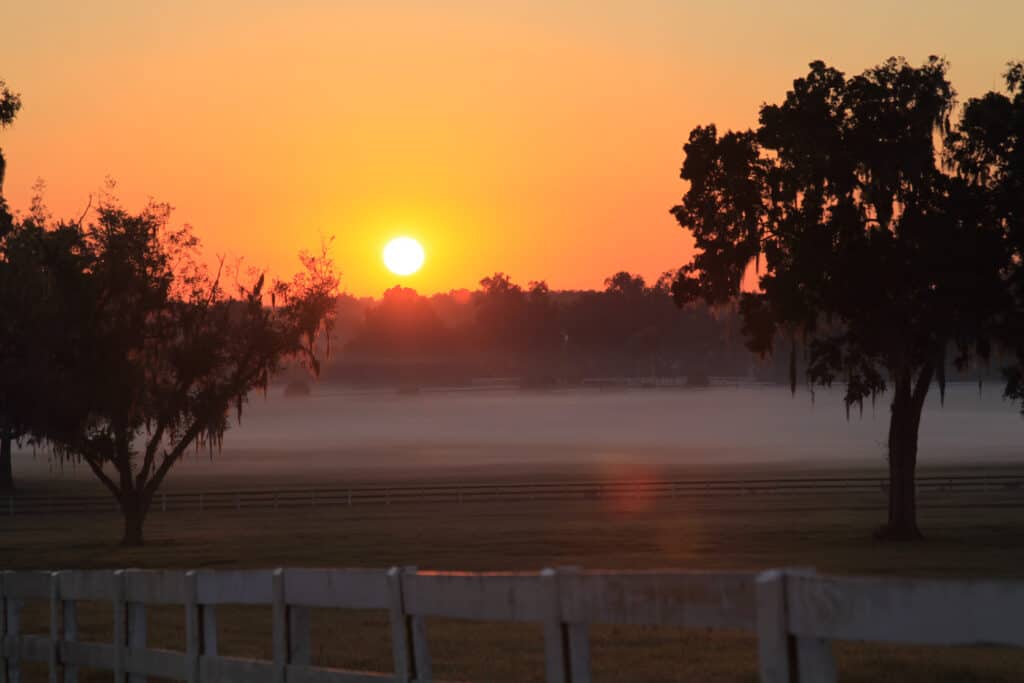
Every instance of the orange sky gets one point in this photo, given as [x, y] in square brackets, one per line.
[539, 138]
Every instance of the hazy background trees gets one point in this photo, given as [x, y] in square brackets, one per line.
[538, 337]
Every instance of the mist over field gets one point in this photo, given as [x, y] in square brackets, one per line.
[450, 433]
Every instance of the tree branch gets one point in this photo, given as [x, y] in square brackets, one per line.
[97, 469]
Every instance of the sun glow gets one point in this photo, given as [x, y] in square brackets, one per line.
[403, 256]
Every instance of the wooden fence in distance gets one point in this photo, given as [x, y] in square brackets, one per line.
[794, 614]
[1011, 484]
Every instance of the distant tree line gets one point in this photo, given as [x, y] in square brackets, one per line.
[628, 331]
[536, 336]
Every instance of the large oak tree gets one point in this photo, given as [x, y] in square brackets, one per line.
[165, 350]
[874, 258]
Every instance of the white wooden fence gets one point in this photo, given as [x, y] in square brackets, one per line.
[794, 613]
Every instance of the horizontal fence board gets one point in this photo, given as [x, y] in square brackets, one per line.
[29, 585]
[243, 587]
[343, 588]
[308, 674]
[86, 585]
[154, 587]
[235, 670]
[688, 599]
[153, 662]
[27, 648]
[927, 612]
[92, 655]
[495, 597]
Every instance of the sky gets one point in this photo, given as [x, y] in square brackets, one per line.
[541, 138]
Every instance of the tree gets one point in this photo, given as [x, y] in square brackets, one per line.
[875, 260]
[164, 351]
[10, 104]
[500, 313]
[404, 324]
[987, 151]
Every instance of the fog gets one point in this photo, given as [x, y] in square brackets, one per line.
[739, 424]
[444, 433]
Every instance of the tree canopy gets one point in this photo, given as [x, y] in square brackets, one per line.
[161, 348]
[987, 151]
[874, 258]
[10, 427]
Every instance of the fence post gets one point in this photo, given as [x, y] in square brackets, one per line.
[280, 627]
[556, 647]
[576, 634]
[120, 637]
[69, 617]
[814, 657]
[420, 647]
[55, 610]
[208, 629]
[12, 630]
[776, 651]
[193, 627]
[401, 644]
[3, 629]
[300, 636]
[136, 629]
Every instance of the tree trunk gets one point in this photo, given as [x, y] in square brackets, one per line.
[134, 510]
[6, 471]
[904, 425]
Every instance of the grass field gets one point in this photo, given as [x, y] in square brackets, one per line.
[746, 532]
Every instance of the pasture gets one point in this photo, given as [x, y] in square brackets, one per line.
[350, 439]
[742, 532]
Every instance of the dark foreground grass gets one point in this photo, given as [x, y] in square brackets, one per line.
[830, 532]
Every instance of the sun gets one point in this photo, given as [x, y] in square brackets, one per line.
[403, 256]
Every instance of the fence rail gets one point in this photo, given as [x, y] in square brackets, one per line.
[794, 614]
[474, 492]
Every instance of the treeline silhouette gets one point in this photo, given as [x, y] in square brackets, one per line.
[629, 331]
[533, 335]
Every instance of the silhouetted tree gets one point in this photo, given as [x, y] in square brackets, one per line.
[37, 342]
[10, 104]
[500, 313]
[873, 258]
[164, 350]
[987, 150]
[402, 323]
